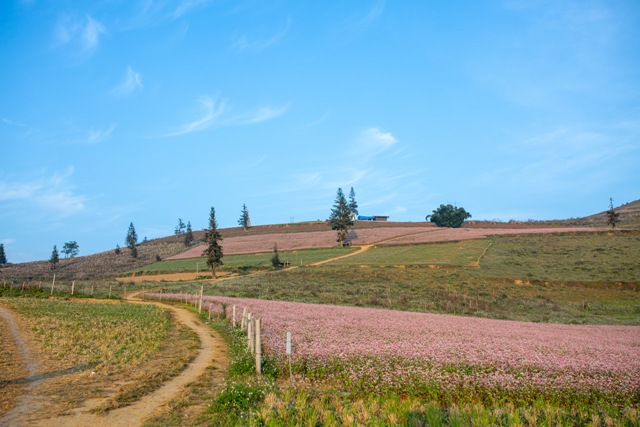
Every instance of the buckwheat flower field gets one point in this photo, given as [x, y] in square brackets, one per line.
[367, 350]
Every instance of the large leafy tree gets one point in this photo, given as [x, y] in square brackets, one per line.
[70, 249]
[132, 240]
[341, 218]
[448, 216]
[244, 219]
[55, 257]
[353, 205]
[188, 236]
[3, 256]
[212, 239]
[613, 217]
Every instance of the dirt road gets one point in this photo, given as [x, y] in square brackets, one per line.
[212, 353]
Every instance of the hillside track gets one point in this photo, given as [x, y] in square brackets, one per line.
[212, 354]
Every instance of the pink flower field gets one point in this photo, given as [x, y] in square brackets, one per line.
[377, 350]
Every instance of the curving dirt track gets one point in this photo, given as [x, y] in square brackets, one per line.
[211, 354]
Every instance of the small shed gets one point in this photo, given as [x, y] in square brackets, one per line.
[372, 218]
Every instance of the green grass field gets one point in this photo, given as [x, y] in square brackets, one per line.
[245, 262]
[565, 258]
[455, 253]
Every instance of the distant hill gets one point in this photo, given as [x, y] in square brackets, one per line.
[109, 264]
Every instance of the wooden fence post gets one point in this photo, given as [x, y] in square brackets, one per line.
[109, 291]
[200, 303]
[250, 332]
[258, 346]
[53, 283]
[244, 318]
[234, 317]
[73, 285]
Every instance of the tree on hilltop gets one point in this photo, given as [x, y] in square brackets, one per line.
[180, 227]
[70, 249]
[3, 256]
[341, 218]
[448, 216]
[212, 238]
[353, 205]
[244, 220]
[132, 240]
[188, 236]
[613, 217]
[55, 257]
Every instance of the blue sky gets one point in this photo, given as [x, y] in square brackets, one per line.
[147, 111]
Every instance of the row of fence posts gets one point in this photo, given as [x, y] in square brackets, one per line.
[249, 322]
[41, 285]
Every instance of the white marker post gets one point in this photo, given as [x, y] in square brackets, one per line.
[289, 355]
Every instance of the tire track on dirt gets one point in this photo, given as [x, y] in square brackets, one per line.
[27, 401]
[213, 353]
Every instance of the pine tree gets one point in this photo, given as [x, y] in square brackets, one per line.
[275, 258]
[54, 257]
[212, 237]
[353, 205]
[244, 220]
[3, 256]
[188, 237]
[132, 240]
[180, 227]
[340, 218]
[117, 250]
[613, 217]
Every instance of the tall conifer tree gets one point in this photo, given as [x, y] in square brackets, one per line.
[212, 239]
[341, 218]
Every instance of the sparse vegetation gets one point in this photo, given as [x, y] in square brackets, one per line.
[613, 217]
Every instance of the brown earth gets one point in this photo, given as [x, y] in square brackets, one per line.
[33, 406]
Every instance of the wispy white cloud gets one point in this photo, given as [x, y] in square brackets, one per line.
[567, 159]
[245, 42]
[186, 6]
[131, 83]
[212, 109]
[261, 114]
[363, 21]
[84, 31]
[98, 135]
[372, 142]
[53, 193]
[215, 113]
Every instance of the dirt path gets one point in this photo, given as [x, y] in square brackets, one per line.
[212, 353]
[26, 400]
